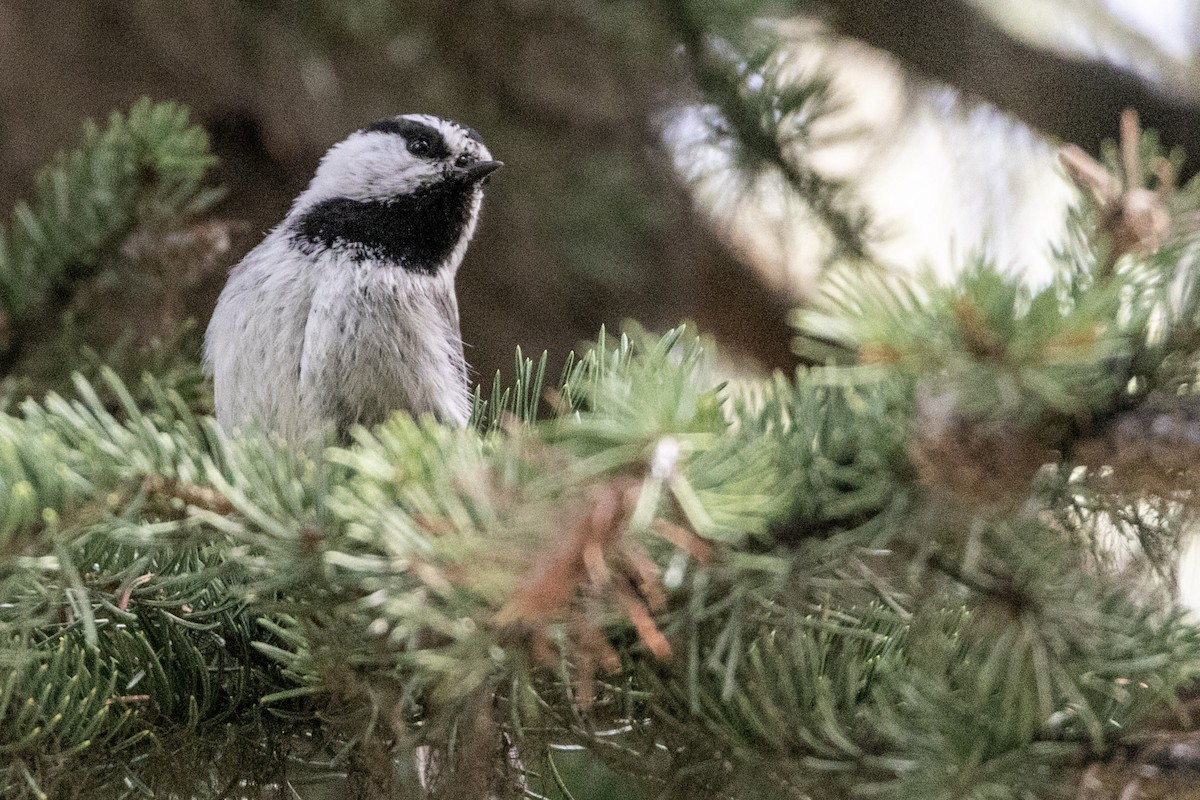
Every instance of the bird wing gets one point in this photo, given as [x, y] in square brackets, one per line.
[255, 339]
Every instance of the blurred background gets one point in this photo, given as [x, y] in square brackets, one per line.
[905, 133]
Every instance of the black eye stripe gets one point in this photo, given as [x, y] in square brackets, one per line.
[410, 130]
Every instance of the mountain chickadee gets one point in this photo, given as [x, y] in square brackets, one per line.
[346, 311]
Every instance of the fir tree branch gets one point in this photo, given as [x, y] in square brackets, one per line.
[144, 169]
[755, 123]
[185, 613]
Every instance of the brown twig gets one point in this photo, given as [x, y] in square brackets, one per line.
[127, 591]
[199, 496]
[1135, 219]
[595, 564]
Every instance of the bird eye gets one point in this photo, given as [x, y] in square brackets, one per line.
[462, 160]
[419, 146]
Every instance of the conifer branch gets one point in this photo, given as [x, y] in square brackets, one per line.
[763, 123]
[188, 614]
[145, 169]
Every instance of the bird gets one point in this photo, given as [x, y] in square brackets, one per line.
[346, 311]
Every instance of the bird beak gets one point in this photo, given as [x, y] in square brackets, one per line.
[477, 172]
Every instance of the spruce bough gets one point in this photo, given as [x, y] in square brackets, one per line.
[884, 576]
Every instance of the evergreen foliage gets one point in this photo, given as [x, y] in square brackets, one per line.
[763, 117]
[142, 173]
[877, 577]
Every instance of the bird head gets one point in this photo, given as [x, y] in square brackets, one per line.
[403, 191]
[399, 156]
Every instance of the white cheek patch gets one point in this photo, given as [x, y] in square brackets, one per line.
[369, 165]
